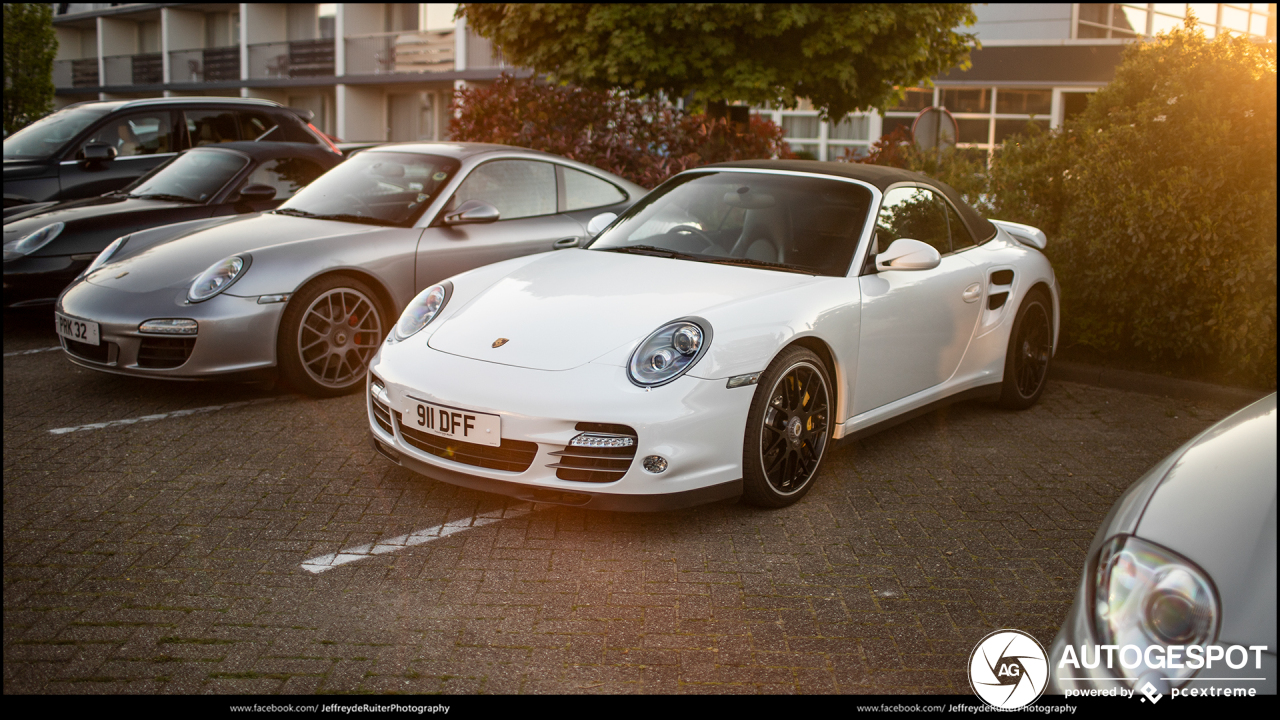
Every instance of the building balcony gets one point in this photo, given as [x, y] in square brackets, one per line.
[426, 51]
[296, 59]
[75, 73]
[218, 64]
[135, 69]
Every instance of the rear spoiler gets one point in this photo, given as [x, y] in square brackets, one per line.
[1024, 234]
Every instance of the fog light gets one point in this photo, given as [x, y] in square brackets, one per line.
[655, 464]
[169, 326]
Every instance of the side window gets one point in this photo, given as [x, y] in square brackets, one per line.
[259, 126]
[286, 175]
[210, 127]
[960, 236]
[141, 134]
[582, 191]
[518, 188]
[914, 213]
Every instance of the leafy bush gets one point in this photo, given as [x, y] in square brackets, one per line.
[643, 140]
[963, 169]
[1160, 203]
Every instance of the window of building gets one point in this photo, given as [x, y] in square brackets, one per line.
[1130, 20]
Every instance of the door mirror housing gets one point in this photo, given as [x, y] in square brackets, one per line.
[600, 222]
[257, 193]
[908, 254]
[99, 152]
[472, 212]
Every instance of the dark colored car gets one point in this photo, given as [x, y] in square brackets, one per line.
[47, 245]
[91, 148]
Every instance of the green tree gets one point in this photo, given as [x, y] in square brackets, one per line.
[841, 57]
[29, 47]
[1163, 198]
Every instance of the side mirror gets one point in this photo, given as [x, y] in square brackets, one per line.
[908, 254]
[472, 212]
[257, 193]
[99, 152]
[599, 223]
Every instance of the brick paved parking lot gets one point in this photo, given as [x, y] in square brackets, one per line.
[260, 545]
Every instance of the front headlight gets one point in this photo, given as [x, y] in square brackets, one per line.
[668, 353]
[421, 311]
[105, 255]
[218, 277]
[32, 242]
[1146, 595]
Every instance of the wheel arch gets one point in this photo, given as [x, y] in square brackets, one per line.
[1043, 287]
[820, 348]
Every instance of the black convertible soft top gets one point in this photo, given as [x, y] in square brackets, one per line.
[877, 175]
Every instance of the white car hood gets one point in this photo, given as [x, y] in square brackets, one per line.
[570, 307]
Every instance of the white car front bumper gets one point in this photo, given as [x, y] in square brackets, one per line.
[696, 425]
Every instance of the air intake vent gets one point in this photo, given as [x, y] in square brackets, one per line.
[511, 456]
[601, 454]
[93, 353]
[161, 352]
[381, 413]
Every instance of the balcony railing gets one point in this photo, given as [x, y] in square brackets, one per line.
[75, 73]
[135, 69]
[400, 52]
[205, 65]
[299, 58]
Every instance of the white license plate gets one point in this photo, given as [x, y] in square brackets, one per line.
[449, 422]
[77, 329]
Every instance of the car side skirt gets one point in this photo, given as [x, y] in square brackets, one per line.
[553, 496]
[982, 392]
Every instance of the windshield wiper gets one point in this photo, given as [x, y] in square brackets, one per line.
[745, 262]
[652, 251]
[349, 217]
[165, 196]
[294, 212]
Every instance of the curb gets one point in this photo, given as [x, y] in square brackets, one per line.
[1152, 384]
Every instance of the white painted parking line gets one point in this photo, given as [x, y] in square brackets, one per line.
[348, 555]
[33, 352]
[163, 416]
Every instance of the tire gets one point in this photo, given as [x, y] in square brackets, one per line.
[788, 430]
[323, 358]
[1026, 361]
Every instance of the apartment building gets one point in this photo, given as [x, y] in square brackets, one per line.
[368, 71]
[384, 71]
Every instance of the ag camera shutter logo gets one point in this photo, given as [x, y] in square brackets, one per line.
[1008, 669]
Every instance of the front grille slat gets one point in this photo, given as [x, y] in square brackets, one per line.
[382, 415]
[164, 352]
[596, 465]
[511, 456]
[100, 353]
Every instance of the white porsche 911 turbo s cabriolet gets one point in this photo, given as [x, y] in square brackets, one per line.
[715, 339]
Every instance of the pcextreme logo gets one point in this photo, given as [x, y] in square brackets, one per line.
[1008, 669]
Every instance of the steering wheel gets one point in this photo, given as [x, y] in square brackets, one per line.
[691, 230]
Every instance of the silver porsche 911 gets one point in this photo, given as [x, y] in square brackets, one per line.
[309, 290]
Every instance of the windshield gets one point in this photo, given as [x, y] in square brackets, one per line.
[196, 175]
[784, 222]
[49, 134]
[378, 188]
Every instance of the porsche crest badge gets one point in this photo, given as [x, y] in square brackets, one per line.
[500, 342]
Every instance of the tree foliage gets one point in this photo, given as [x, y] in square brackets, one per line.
[29, 48]
[1160, 202]
[841, 57]
[643, 140]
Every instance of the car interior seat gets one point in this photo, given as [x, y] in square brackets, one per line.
[764, 235]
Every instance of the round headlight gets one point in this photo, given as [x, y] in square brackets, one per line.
[421, 311]
[666, 354]
[32, 242]
[1146, 595]
[105, 255]
[217, 278]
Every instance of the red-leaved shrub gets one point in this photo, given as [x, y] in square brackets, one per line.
[643, 140]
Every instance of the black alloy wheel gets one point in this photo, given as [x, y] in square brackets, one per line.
[1026, 365]
[788, 429]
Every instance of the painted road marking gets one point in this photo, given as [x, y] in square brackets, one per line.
[33, 352]
[349, 555]
[163, 416]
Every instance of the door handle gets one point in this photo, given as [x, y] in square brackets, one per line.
[972, 293]
[563, 243]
